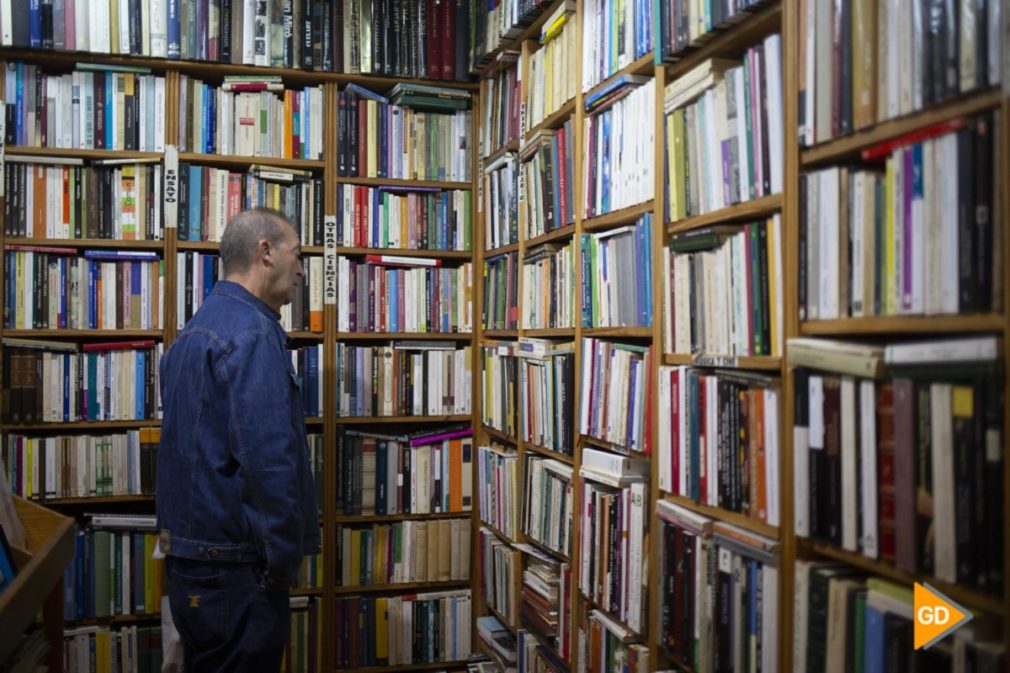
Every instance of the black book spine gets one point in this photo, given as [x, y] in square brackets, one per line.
[305, 34]
[966, 226]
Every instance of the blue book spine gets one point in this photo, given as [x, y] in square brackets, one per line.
[19, 108]
[110, 97]
[92, 295]
[136, 282]
[313, 381]
[376, 217]
[66, 386]
[35, 24]
[394, 300]
[174, 31]
[692, 391]
[873, 654]
[77, 583]
[195, 202]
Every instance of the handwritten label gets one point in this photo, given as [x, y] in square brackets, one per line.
[171, 189]
[330, 256]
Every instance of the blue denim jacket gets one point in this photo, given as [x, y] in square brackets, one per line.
[234, 481]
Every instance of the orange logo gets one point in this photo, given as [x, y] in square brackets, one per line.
[936, 616]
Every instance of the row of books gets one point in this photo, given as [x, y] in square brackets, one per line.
[304, 651]
[500, 203]
[895, 465]
[611, 296]
[51, 381]
[683, 25]
[723, 128]
[81, 466]
[88, 109]
[407, 378]
[497, 483]
[545, 602]
[423, 473]
[381, 139]
[73, 201]
[416, 218]
[608, 645]
[864, 62]
[546, 394]
[501, 292]
[52, 288]
[250, 117]
[209, 197]
[551, 79]
[549, 287]
[614, 35]
[499, 564]
[403, 552]
[388, 293]
[499, 386]
[501, 22]
[720, 439]
[500, 102]
[613, 546]
[307, 363]
[422, 628]
[906, 237]
[533, 655]
[719, 606]
[845, 619]
[547, 181]
[404, 38]
[501, 642]
[547, 504]
[622, 148]
[113, 571]
[723, 289]
[128, 649]
[615, 404]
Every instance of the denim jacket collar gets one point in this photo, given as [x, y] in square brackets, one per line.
[232, 289]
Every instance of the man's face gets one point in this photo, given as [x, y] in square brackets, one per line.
[286, 269]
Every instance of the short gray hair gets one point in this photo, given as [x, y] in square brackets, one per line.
[243, 234]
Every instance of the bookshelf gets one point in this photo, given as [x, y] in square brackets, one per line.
[323, 169]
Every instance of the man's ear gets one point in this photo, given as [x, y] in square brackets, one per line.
[264, 251]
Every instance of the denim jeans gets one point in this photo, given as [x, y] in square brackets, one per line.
[229, 618]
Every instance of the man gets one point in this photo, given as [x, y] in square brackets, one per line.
[235, 498]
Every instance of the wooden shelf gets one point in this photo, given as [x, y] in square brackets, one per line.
[490, 608]
[232, 161]
[759, 362]
[314, 420]
[49, 538]
[748, 210]
[617, 218]
[617, 448]
[511, 146]
[498, 434]
[484, 524]
[720, 514]
[643, 66]
[545, 550]
[390, 518]
[114, 620]
[409, 184]
[412, 668]
[618, 332]
[566, 231]
[404, 336]
[850, 146]
[731, 43]
[500, 333]
[203, 246]
[548, 453]
[99, 500]
[72, 153]
[307, 591]
[406, 587]
[305, 335]
[549, 332]
[494, 252]
[968, 597]
[402, 420]
[554, 120]
[103, 334]
[85, 243]
[884, 325]
[81, 425]
[464, 255]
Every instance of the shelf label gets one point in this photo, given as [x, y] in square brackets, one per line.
[706, 360]
[330, 257]
[171, 190]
